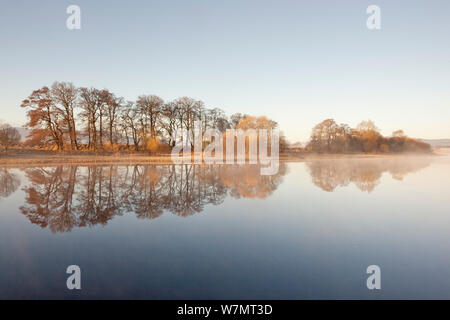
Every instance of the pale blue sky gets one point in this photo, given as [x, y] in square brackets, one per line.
[298, 62]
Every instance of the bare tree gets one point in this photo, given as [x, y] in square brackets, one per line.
[189, 110]
[130, 124]
[149, 107]
[9, 136]
[112, 108]
[99, 106]
[65, 96]
[168, 120]
[103, 97]
[218, 119]
[89, 115]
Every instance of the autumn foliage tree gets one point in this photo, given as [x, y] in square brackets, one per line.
[330, 137]
[44, 118]
[63, 117]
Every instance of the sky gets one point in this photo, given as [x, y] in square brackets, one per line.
[297, 62]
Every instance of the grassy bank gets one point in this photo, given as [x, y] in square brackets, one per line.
[43, 157]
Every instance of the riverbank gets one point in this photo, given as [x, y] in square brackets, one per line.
[44, 157]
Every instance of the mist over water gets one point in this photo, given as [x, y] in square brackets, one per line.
[225, 231]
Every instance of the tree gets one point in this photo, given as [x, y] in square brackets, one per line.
[103, 98]
[89, 104]
[130, 124]
[9, 136]
[284, 143]
[64, 96]
[236, 118]
[112, 107]
[251, 122]
[257, 123]
[370, 136]
[168, 120]
[150, 108]
[188, 112]
[398, 134]
[97, 107]
[368, 125]
[323, 135]
[44, 118]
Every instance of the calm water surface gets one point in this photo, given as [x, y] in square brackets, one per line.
[225, 232]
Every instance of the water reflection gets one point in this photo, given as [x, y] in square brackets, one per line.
[9, 182]
[305, 242]
[63, 197]
[364, 174]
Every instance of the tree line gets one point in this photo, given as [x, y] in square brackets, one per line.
[64, 116]
[330, 137]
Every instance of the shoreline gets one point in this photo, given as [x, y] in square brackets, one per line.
[51, 158]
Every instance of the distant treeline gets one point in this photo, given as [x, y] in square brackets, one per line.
[67, 117]
[330, 137]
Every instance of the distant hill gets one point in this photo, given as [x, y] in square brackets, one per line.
[437, 143]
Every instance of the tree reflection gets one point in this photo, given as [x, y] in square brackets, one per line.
[65, 197]
[364, 173]
[9, 182]
[49, 199]
[248, 183]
